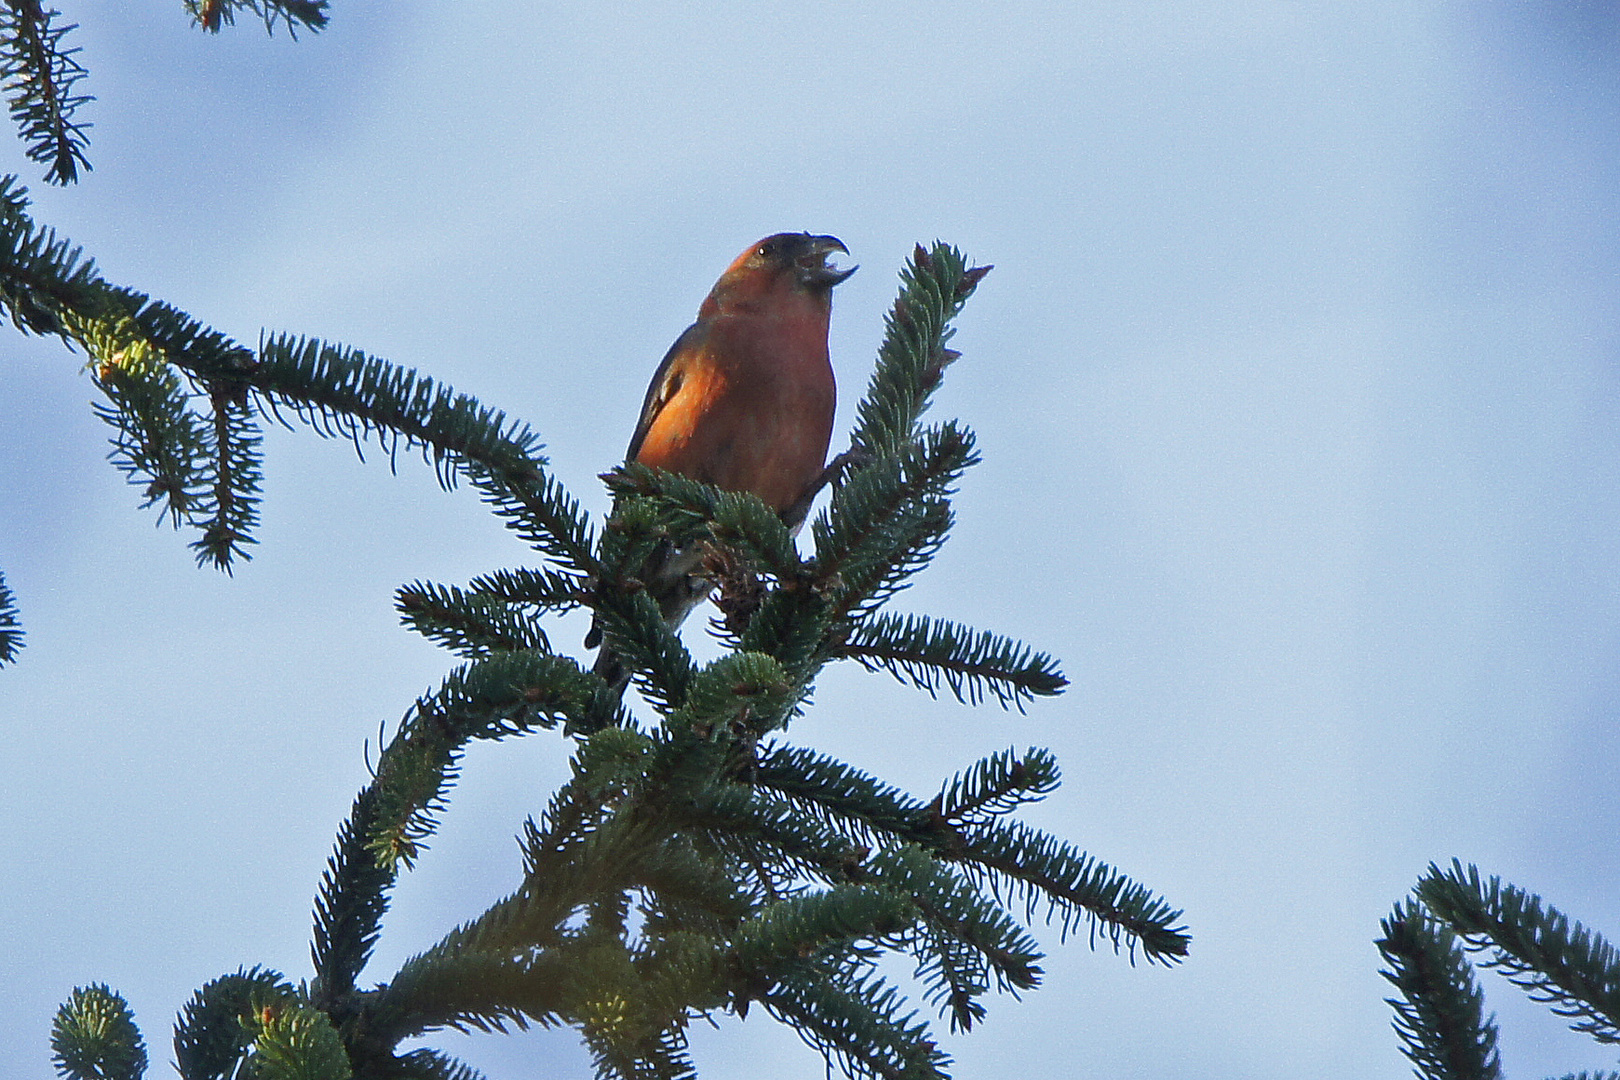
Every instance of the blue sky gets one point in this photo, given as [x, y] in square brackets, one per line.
[1295, 383]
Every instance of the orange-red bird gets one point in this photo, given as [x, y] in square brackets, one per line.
[744, 398]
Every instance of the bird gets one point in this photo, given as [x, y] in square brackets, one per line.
[743, 400]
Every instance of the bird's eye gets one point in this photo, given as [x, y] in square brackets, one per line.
[764, 251]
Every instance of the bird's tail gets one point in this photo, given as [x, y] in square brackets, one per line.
[611, 669]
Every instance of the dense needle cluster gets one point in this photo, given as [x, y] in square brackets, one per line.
[1440, 1015]
[40, 71]
[696, 862]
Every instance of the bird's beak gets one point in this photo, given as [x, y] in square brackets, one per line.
[813, 268]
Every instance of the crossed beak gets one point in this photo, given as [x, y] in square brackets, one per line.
[813, 268]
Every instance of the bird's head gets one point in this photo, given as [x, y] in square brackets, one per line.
[793, 262]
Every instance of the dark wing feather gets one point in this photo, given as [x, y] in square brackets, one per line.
[665, 382]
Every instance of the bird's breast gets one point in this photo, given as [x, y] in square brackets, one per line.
[753, 411]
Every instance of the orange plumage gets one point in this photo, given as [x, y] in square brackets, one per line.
[744, 398]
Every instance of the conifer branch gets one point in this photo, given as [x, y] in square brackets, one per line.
[931, 653]
[352, 900]
[539, 510]
[738, 819]
[1538, 948]
[206, 471]
[889, 518]
[519, 963]
[623, 1047]
[955, 976]
[912, 358]
[914, 535]
[232, 508]
[41, 276]
[860, 1024]
[292, 1041]
[342, 392]
[687, 892]
[47, 287]
[471, 624]
[1073, 885]
[39, 75]
[998, 785]
[1031, 863]
[738, 519]
[427, 1064]
[214, 1032]
[958, 914]
[634, 628]
[744, 690]
[657, 1061]
[94, 1037]
[640, 538]
[1440, 1014]
[543, 589]
[787, 931]
[432, 988]
[508, 694]
[790, 625]
[211, 15]
[603, 773]
[475, 990]
[11, 634]
[683, 868]
[837, 794]
[504, 694]
[602, 862]
[667, 1056]
[395, 814]
[157, 438]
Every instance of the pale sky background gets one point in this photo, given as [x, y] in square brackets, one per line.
[1295, 383]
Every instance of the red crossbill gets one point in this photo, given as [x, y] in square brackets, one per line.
[744, 398]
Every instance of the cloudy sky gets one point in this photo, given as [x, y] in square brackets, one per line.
[1295, 383]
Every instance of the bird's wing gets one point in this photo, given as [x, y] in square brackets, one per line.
[665, 382]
